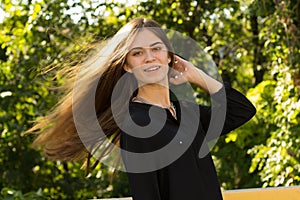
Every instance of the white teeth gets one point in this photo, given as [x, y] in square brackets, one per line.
[152, 69]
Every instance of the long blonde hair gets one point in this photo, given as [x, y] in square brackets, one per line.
[57, 133]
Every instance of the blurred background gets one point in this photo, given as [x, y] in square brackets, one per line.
[254, 43]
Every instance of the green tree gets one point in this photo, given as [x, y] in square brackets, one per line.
[253, 43]
[37, 37]
[277, 160]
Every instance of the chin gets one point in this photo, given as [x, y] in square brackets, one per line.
[156, 80]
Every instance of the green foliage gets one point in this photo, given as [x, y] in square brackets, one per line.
[9, 194]
[255, 45]
[278, 159]
[35, 37]
[274, 132]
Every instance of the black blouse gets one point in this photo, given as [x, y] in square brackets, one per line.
[188, 176]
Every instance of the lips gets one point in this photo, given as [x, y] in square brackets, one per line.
[152, 68]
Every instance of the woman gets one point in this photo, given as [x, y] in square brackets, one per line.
[142, 54]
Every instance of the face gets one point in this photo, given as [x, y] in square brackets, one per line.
[148, 59]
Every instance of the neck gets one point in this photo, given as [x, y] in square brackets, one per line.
[155, 94]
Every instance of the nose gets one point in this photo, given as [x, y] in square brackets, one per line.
[149, 56]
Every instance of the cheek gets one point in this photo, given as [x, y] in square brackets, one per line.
[133, 62]
[165, 59]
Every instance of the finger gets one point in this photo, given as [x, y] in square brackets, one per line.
[178, 66]
[177, 59]
[176, 81]
[178, 78]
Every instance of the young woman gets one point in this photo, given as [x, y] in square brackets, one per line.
[160, 138]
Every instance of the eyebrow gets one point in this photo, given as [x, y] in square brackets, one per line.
[151, 45]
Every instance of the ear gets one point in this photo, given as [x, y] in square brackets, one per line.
[169, 59]
[127, 68]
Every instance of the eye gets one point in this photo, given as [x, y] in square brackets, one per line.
[137, 53]
[157, 48]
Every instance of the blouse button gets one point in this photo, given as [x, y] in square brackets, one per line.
[180, 142]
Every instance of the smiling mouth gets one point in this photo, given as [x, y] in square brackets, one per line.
[151, 69]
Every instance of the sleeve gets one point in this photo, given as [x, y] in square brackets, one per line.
[230, 109]
[143, 186]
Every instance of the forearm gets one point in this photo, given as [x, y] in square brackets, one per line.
[185, 71]
[204, 81]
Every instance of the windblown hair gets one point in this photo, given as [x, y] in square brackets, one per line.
[57, 132]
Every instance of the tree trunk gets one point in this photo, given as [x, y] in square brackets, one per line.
[258, 68]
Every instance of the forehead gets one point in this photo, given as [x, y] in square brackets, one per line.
[144, 38]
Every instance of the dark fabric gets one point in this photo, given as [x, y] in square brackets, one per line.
[189, 177]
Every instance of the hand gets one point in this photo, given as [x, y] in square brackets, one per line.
[182, 71]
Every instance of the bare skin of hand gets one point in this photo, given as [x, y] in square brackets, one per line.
[184, 71]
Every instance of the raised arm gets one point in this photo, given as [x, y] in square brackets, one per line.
[187, 72]
[237, 111]
[233, 108]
